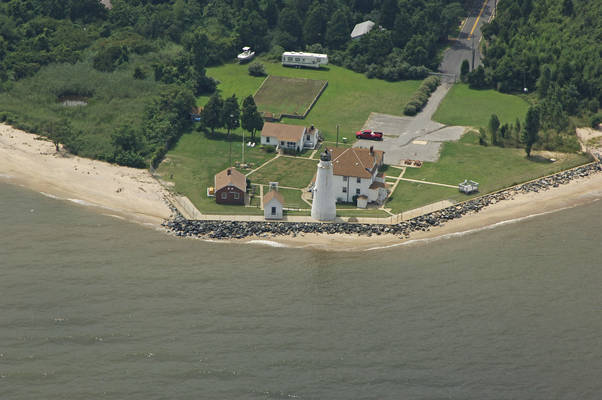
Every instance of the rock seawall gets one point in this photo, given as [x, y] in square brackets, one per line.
[240, 230]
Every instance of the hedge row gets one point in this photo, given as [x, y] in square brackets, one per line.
[421, 96]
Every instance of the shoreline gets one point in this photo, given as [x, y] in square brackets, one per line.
[31, 161]
[134, 195]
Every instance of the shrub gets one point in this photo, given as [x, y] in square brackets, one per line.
[595, 120]
[257, 69]
[421, 96]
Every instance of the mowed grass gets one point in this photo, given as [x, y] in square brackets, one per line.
[192, 164]
[493, 167]
[288, 95]
[287, 171]
[348, 100]
[292, 198]
[468, 107]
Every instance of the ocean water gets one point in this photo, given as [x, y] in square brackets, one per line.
[93, 307]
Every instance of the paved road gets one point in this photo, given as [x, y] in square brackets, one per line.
[419, 137]
[470, 36]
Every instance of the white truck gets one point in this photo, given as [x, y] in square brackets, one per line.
[300, 59]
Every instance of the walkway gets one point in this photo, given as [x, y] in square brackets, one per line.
[425, 182]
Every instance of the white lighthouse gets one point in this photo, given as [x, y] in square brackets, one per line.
[324, 207]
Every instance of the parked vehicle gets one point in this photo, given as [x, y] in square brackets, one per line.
[369, 134]
[300, 59]
[246, 55]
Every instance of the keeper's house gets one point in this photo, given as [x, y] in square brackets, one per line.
[230, 187]
[293, 137]
[356, 176]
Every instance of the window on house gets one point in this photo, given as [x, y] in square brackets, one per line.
[291, 144]
[308, 137]
[282, 143]
[273, 210]
[224, 195]
[359, 180]
[344, 189]
[297, 59]
[267, 139]
[357, 191]
[236, 196]
[344, 179]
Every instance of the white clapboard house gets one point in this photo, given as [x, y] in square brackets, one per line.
[292, 137]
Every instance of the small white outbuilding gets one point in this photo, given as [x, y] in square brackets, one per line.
[361, 29]
[273, 204]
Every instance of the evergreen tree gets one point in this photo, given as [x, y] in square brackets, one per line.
[531, 129]
[250, 119]
[494, 124]
[231, 113]
[212, 113]
[388, 12]
[464, 70]
[338, 30]
[567, 8]
[315, 24]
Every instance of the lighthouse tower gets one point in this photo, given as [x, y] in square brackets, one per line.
[323, 207]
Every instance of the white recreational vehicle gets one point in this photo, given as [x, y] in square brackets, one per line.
[300, 59]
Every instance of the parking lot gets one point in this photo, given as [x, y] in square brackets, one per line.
[413, 138]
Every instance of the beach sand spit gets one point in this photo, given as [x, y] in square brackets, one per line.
[32, 161]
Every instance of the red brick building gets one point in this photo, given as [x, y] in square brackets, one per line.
[230, 187]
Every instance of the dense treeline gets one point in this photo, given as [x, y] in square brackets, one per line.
[552, 48]
[164, 47]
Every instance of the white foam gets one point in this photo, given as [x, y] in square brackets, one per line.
[267, 243]
[7, 176]
[51, 196]
[115, 216]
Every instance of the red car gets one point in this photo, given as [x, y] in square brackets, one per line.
[368, 134]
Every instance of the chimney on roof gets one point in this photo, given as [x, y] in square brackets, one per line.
[229, 171]
[371, 150]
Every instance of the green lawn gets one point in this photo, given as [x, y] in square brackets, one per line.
[348, 100]
[469, 107]
[493, 167]
[287, 171]
[293, 96]
[292, 198]
[194, 161]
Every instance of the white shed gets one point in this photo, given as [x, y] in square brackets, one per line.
[361, 29]
[273, 203]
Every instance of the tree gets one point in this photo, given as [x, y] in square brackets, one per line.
[388, 11]
[315, 24]
[482, 137]
[464, 70]
[338, 28]
[494, 124]
[231, 113]
[250, 119]
[567, 8]
[531, 129]
[212, 113]
[59, 132]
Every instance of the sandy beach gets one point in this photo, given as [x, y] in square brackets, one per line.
[30, 161]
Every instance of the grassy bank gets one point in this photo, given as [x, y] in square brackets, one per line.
[348, 100]
[493, 167]
[468, 107]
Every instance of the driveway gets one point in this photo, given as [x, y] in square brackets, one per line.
[419, 137]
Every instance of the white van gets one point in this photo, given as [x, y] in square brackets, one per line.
[300, 59]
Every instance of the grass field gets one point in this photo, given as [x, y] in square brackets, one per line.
[468, 107]
[287, 171]
[292, 96]
[193, 162]
[493, 167]
[348, 100]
